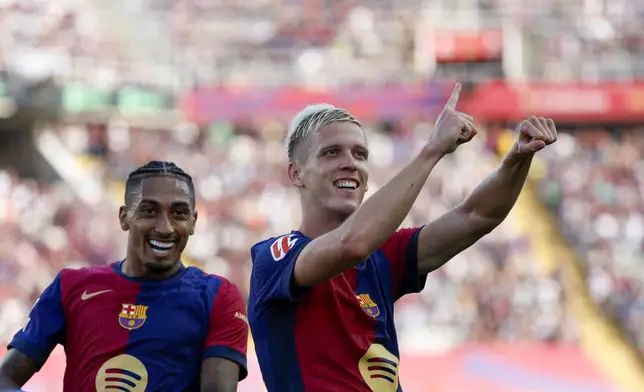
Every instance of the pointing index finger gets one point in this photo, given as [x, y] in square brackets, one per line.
[453, 98]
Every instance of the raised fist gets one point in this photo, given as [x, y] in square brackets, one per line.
[534, 134]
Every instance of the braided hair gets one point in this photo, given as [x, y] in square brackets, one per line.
[153, 169]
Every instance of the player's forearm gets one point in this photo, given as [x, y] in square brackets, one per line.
[494, 198]
[375, 221]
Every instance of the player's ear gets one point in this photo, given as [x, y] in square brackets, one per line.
[123, 218]
[194, 222]
[294, 174]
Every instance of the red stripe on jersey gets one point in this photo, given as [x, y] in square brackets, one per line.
[93, 333]
[329, 320]
[395, 249]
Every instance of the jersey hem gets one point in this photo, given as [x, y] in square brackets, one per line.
[35, 353]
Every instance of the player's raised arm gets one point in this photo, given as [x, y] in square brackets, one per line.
[488, 205]
[333, 160]
[31, 346]
[224, 362]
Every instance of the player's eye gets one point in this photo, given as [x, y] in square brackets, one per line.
[361, 155]
[147, 210]
[331, 152]
[182, 212]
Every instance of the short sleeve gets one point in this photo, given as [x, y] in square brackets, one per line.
[45, 327]
[228, 328]
[401, 250]
[273, 265]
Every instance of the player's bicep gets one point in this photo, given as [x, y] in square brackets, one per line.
[45, 327]
[325, 257]
[219, 375]
[16, 369]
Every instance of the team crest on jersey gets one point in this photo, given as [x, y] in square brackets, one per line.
[367, 304]
[282, 246]
[133, 316]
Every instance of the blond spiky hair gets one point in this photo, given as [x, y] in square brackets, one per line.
[310, 119]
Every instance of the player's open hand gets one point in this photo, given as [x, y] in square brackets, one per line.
[534, 134]
[452, 128]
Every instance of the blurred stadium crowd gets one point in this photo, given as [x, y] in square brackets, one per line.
[593, 183]
[274, 42]
[493, 290]
[595, 187]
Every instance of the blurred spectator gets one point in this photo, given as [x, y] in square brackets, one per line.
[595, 184]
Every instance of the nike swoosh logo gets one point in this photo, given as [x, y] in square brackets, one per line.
[85, 295]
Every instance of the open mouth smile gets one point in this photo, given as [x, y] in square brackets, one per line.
[161, 247]
[347, 185]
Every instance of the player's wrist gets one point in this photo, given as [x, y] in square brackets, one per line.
[431, 153]
[514, 156]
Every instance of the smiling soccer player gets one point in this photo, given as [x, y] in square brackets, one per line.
[321, 304]
[146, 323]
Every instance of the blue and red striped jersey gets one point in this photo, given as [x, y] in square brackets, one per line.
[135, 334]
[338, 335]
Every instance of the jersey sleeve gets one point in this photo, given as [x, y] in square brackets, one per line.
[45, 327]
[401, 250]
[228, 328]
[273, 265]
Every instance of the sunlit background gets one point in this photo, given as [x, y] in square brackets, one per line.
[551, 301]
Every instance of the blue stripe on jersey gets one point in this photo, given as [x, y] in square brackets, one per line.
[284, 364]
[377, 282]
[174, 331]
[412, 281]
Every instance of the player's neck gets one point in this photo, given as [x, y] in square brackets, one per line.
[317, 223]
[138, 270]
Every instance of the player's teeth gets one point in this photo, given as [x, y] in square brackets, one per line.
[160, 252]
[346, 184]
[162, 245]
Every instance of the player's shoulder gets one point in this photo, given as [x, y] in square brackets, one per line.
[278, 247]
[196, 278]
[72, 276]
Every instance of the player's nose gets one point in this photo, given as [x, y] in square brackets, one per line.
[163, 226]
[349, 163]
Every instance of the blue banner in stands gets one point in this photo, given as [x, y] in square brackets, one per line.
[366, 102]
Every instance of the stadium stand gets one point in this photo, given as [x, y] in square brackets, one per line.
[594, 187]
